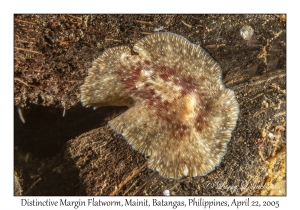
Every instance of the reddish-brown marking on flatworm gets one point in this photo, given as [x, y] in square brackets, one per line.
[179, 112]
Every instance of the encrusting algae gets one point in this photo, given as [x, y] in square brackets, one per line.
[180, 113]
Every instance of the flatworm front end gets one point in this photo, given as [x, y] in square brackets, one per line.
[179, 112]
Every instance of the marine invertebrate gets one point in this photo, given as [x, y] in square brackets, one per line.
[179, 112]
[246, 32]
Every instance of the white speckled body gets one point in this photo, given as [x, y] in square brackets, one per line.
[179, 112]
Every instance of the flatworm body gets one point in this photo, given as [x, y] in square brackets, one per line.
[180, 113]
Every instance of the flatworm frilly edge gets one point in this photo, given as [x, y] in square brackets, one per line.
[180, 113]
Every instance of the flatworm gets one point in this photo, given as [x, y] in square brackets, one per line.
[180, 113]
